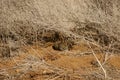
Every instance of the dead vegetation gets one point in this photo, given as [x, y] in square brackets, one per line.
[59, 40]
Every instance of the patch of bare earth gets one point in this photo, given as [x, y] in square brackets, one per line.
[39, 63]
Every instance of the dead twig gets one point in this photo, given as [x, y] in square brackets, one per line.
[97, 60]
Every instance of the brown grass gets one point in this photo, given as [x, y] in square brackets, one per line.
[30, 28]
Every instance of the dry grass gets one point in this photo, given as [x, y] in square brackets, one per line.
[28, 23]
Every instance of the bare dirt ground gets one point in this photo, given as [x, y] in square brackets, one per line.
[45, 63]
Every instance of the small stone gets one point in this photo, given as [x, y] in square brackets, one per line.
[60, 46]
[95, 63]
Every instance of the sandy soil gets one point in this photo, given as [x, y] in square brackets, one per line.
[44, 63]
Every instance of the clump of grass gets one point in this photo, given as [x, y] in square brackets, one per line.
[61, 21]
